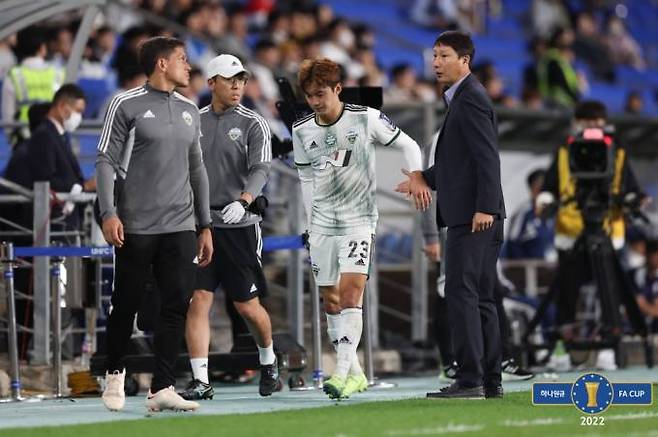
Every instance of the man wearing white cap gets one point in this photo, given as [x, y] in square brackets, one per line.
[236, 145]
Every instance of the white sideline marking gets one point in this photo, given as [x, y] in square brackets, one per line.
[540, 421]
[449, 428]
[632, 416]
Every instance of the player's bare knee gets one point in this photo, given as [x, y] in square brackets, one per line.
[201, 303]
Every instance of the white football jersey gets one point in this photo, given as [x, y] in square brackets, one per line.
[342, 157]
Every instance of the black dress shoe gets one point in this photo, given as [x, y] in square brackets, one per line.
[456, 391]
[493, 391]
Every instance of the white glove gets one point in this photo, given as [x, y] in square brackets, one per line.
[233, 213]
[68, 207]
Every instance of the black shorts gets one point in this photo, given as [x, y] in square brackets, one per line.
[236, 264]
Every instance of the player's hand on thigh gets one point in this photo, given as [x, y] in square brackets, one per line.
[204, 247]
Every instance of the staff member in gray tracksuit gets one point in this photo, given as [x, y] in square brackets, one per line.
[150, 143]
[236, 144]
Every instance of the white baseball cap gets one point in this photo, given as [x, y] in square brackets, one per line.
[224, 65]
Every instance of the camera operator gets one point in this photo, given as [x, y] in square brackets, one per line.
[559, 189]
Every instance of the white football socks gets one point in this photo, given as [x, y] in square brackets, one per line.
[200, 369]
[351, 326]
[266, 355]
[333, 329]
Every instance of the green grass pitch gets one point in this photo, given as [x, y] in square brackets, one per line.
[513, 415]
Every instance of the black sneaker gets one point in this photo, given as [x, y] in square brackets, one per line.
[197, 390]
[493, 391]
[456, 391]
[513, 372]
[269, 379]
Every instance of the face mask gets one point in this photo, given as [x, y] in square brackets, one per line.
[346, 39]
[72, 123]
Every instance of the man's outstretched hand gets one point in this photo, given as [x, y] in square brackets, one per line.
[416, 187]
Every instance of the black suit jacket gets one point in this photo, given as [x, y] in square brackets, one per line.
[466, 170]
[51, 159]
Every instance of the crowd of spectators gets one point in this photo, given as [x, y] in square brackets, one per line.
[272, 37]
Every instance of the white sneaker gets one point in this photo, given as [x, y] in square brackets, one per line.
[114, 396]
[168, 399]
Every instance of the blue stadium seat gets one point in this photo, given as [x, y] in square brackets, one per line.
[97, 91]
[613, 96]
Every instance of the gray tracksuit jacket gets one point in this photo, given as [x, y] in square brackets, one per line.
[150, 141]
[237, 152]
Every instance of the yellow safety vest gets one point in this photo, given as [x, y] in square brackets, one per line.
[33, 85]
[556, 92]
[569, 220]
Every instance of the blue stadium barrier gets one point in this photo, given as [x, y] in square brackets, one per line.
[270, 244]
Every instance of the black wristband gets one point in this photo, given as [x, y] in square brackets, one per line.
[244, 203]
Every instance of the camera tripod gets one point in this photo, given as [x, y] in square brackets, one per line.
[598, 262]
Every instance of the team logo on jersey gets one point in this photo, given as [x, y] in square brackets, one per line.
[351, 136]
[313, 145]
[387, 121]
[235, 133]
[330, 139]
[187, 117]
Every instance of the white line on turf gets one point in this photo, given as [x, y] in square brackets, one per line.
[540, 421]
[447, 429]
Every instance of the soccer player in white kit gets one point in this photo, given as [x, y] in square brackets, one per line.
[334, 150]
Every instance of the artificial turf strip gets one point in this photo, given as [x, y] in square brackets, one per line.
[513, 415]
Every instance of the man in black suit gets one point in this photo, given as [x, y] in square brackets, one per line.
[466, 176]
[49, 152]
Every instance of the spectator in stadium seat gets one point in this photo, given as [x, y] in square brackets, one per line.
[590, 47]
[623, 48]
[195, 20]
[634, 103]
[265, 64]
[278, 27]
[196, 87]
[60, 44]
[528, 235]
[103, 45]
[403, 82]
[646, 280]
[125, 57]
[302, 23]
[7, 57]
[340, 42]
[557, 80]
[549, 15]
[536, 48]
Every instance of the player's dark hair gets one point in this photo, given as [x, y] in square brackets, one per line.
[153, 49]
